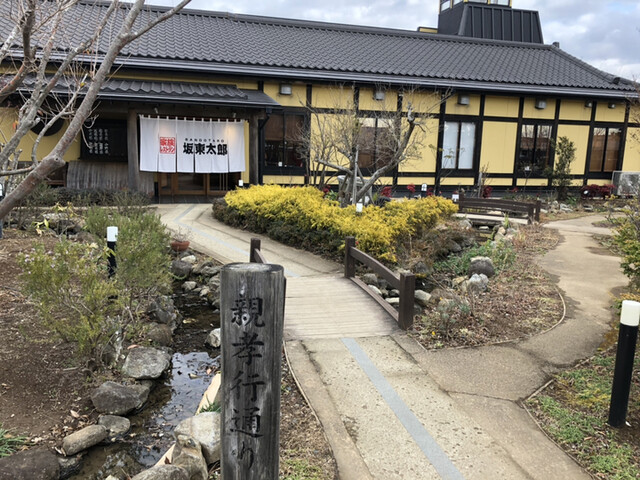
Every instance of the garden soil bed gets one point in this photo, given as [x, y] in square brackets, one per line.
[45, 387]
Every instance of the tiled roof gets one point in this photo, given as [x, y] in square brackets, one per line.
[249, 45]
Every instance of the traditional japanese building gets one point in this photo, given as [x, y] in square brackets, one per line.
[206, 99]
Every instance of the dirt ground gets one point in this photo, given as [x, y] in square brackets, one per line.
[45, 388]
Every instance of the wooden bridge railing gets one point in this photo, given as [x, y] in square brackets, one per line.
[405, 283]
[255, 254]
[486, 206]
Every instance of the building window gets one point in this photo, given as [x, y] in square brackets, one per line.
[105, 140]
[283, 145]
[535, 149]
[605, 149]
[445, 5]
[375, 143]
[458, 145]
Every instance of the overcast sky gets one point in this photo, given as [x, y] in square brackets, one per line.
[604, 33]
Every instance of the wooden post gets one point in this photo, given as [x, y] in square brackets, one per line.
[407, 299]
[255, 245]
[538, 208]
[252, 317]
[132, 151]
[349, 261]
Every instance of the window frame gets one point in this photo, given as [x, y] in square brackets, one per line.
[535, 172]
[474, 150]
[602, 173]
[271, 169]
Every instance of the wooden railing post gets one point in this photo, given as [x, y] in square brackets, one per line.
[407, 299]
[255, 245]
[349, 261]
[252, 319]
[538, 208]
[530, 213]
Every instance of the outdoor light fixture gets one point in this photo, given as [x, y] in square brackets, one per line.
[541, 103]
[463, 99]
[588, 104]
[378, 95]
[285, 89]
[359, 206]
[612, 105]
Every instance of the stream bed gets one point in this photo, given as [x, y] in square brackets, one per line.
[175, 397]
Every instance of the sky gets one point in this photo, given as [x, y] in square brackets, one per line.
[604, 33]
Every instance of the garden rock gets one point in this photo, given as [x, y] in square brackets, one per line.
[187, 454]
[189, 286]
[145, 363]
[37, 464]
[164, 311]
[83, 439]
[476, 284]
[190, 259]
[422, 298]
[454, 247]
[160, 334]
[393, 293]
[163, 472]
[482, 265]
[464, 223]
[210, 271]
[116, 426]
[214, 283]
[204, 291]
[180, 268]
[421, 268]
[69, 465]
[205, 429]
[112, 398]
[375, 290]
[213, 339]
[370, 279]
[393, 301]
[458, 281]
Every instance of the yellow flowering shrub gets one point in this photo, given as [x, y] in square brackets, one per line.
[302, 211]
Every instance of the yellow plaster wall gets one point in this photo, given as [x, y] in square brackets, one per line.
[533, 182]
[337, 96]
[634, 113]
[575, 110]
[367, 102]
[298, 97]
[472, 109]
[9, 115]
[457, 181]
[606, 114]
[426, 160]
[579, 135]
[422, 102]
[501, 106]
[498, 182]
[498, 146]
[632, 151]
[418, 181]
[283, 179]
[530, 110]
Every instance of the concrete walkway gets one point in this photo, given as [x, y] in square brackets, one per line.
[392, 410]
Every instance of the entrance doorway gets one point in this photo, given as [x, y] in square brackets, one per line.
[208, 184]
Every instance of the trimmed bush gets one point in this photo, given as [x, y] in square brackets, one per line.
[301, 216]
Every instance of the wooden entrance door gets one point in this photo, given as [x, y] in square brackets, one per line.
[208, 184]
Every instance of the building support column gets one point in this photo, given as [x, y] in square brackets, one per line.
[254, 149]
[132, 151]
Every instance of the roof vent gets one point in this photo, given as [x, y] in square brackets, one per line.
[616, 80]
[556, 44]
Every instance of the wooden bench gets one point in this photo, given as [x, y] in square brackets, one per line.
[498, 207]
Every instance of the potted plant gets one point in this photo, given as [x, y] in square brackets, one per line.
[180, 239]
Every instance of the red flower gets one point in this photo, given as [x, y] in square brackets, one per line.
[411, 187]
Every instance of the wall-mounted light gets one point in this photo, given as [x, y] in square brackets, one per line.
[285, 89]
[588, 104]
[612, 105]
[464, 99]
[541, 103]
[378, 95]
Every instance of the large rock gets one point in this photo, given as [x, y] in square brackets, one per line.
[482, 265]
[422, 298]
[204, 429]
[187, 454]
[83, 439]
[37, 464]
[181, 269]
[116, 426]
[160, 334]
[370, 279]
[163, 472]
[114, 398]
[165, 312]
[145, 363]
[421, 269]
[189, 286]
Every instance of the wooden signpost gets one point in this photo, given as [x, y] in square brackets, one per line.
[252, 320]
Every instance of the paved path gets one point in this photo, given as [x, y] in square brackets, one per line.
[392, 410]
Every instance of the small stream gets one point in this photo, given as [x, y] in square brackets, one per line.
[172, 400]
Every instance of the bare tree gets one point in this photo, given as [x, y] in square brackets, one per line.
[343, 141]
[57, 76]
